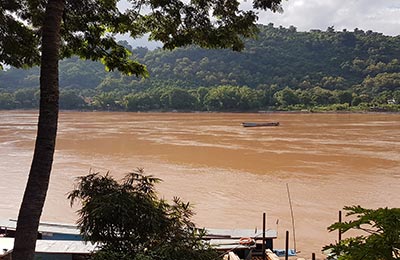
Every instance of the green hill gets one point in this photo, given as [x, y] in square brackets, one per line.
[282, 68]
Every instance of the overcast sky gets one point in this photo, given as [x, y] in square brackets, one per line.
[376, 15]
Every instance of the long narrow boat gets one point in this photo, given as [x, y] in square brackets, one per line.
[252, 124]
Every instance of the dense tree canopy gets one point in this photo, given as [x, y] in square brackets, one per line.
[130, 222]
[89, 28]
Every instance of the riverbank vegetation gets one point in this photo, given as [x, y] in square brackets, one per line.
[378, 235]
[282, 69]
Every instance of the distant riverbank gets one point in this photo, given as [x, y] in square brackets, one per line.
[337, 108]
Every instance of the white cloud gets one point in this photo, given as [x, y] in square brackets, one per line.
[381, 16]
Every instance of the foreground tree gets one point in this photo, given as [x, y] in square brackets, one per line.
[379, 237]
[38, 181]
[44, 31]
[129, 221]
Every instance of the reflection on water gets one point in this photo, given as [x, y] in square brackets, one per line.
[230, 173]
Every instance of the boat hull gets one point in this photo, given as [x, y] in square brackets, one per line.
[251, 124]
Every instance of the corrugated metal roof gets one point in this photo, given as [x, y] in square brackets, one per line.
[212, 232]
[45, 227]
[63, 246]
[51, 246]
[220, 238]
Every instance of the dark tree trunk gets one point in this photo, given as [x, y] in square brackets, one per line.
[39, 175]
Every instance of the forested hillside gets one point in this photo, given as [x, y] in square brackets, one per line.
[281, 69]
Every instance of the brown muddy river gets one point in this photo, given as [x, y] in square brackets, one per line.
[231, 174]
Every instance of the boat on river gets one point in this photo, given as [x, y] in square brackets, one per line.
[253, 124]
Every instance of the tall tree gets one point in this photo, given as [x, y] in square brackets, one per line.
[44, 31]
[39, 175]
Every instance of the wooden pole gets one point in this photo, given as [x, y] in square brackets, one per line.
[291, 213]
[263, 239]
[287, 246]
[313, 256]
[340, 230]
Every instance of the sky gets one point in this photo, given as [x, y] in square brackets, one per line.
[377, 15]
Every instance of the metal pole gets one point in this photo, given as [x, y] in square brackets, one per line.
[287, 246]
[263, 239]
[340, 221]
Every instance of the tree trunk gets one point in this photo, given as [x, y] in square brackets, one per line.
[39, 175]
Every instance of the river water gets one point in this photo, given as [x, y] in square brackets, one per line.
[230, 174]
